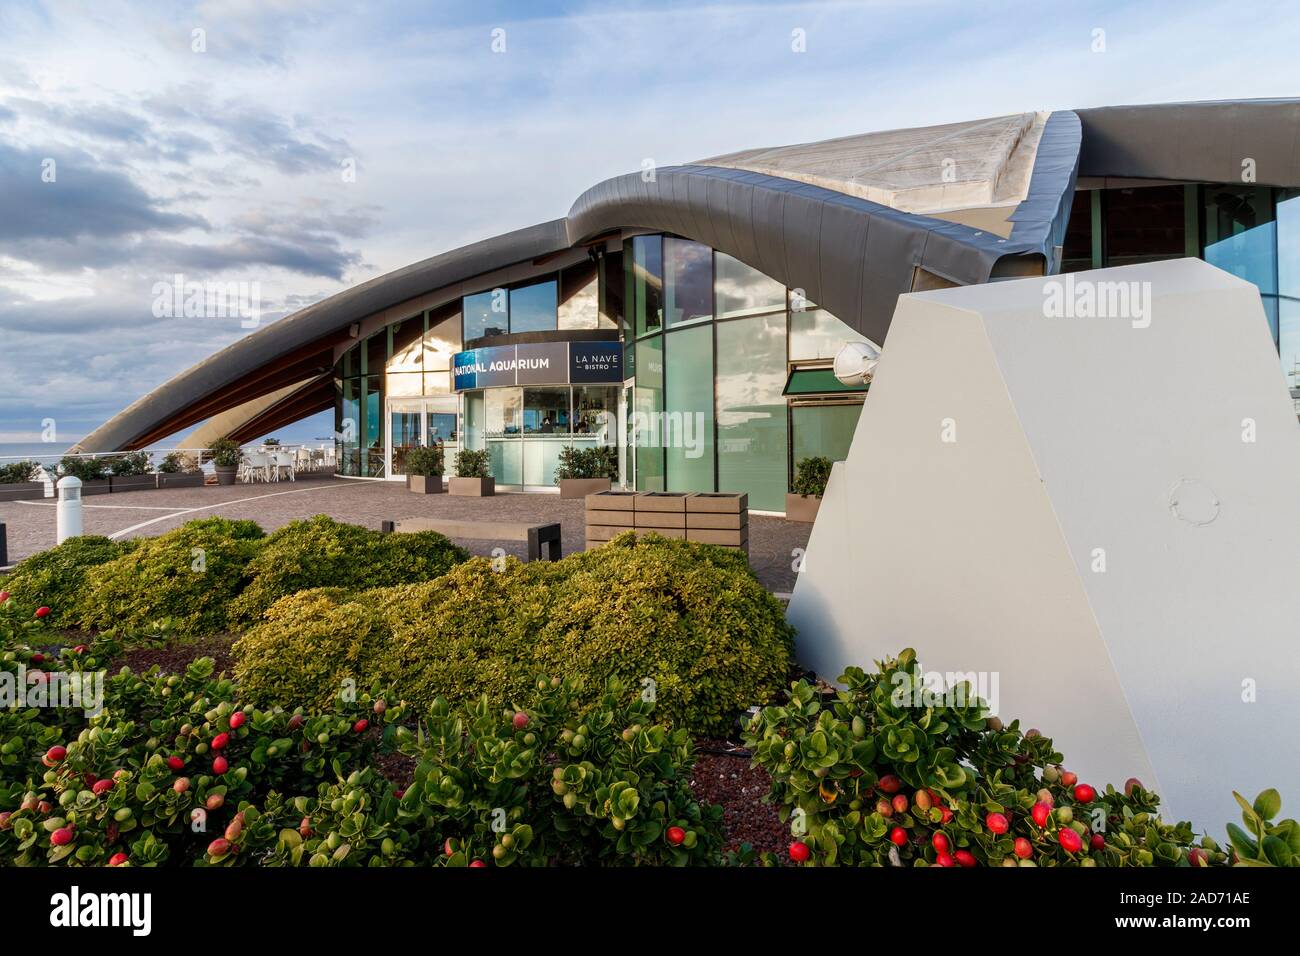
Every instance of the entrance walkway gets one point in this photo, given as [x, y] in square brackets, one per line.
[772, 541]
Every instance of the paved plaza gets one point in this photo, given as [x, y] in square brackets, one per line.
[773, 542]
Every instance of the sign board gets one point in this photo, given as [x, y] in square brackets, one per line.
[538, 363]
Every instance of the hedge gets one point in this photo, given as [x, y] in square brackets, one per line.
[685, 624]
[320, 552]
[56, 578]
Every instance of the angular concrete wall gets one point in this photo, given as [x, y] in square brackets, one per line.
[1079, 441]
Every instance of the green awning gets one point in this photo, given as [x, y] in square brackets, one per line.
[816, 381]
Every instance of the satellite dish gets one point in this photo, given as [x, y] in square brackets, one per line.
[856, 362]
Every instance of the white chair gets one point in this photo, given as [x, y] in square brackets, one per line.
[282, 460]
[259, 466]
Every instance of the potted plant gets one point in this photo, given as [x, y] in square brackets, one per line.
[131, 472]
[811, 475]
[226, 456]
[473, 475]
[586, 471]
[179, 470]
[424, 468]
[93, 473]
[20, 480]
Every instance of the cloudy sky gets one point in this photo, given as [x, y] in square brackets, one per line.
[133, 148]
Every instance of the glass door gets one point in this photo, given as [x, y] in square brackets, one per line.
[405, 432]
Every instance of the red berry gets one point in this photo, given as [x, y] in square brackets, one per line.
[220, 766]
[181, 785]
[1070, 841]
[399, 794]
[943, 859]
[890, 784]
[1084, 793]
[361, 725]
[219, 847]
[237, 719]
[799, 851]
[1024, 849]
[61, 836]
[475, 864]
[966, 858]
[42, 612]
[55, 754]
[1041, 813]
[38, 658]
[520, 720]
[447, 848]
[101, 786]
[1198, 857]
[899, 804]
[947, 815]
[939, 842]
[1131, 784]
[296, 721]
[4, 596]
[176, 764]
[997, 823]
[898, 836]
[117, 859]
[215, 801]
[219, 741]
[81, 648]
[676, 835]
[1069, 779]
[1097, 841]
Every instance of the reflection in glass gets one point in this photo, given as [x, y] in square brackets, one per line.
[487, 313]
[1288, 287]
[1240, 235]
[407, 350]
[752, 410]
[372, 400]
[647, 404]
[475, 421]
[402, 384]
[741, 290]
[816, 334]
[579, 298]
[688, 281]
[686, 430]
[1144, 224]
[406, 422]
[532, 308]
[595, 414]
[546, 410]
[645, 283]
[441, 342]
[823, 430]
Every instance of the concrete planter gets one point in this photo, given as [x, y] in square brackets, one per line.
[801, 507]
[474, 487]
[22, 491]
[100, 486]
[426, 484]
[581, 487]
[226, 474]
[133, 483]
[181, 480]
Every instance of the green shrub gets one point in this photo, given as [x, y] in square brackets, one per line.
[131, 464]
[189, 575]
[473, 464]
[86, 469]
[226, 453]
[16, 472]
[600, 462]
[178, 462]
[320, 552]
[685, 624]
[57, 578]
[424, 461]
[811, 476]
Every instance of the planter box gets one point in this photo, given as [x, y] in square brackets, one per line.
[581, 487]
[612, 501]
[426, 484]
[226, 474]
[801, 507]
[22, 491]
[101, 486]
[677, 534]
[182, 479]
[662, 501]
[737, 538]
[133, 483]
[660, 519]
[719, 502]
[474, 487]
[721, 521]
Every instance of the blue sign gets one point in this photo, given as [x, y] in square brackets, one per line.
[539, 363]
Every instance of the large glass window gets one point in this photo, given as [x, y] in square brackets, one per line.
[688, 281]
[1288, 287]
[815, 335]
[752, 411]
[595, 415]
[406, 422]
[741, 290]
[348, 428]
[1240, 234]
[405, 347]
[441, 342]
[504, 425]
[372, 399]
[645, 283]
[533, 307]
[647, 408]
[546, 410]
[824, 430]
[475, 423]
[579, 298]
[487, 313]
[1145, 224]
[687, 424]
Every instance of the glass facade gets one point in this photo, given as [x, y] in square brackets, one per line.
[686, 428]
[752, 410]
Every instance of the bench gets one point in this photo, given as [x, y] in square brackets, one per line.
[536, 535]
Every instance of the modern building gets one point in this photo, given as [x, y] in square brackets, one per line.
[688, 316]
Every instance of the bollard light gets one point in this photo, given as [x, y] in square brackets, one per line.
[68, 510]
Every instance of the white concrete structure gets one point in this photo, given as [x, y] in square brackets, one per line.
[1100, 508]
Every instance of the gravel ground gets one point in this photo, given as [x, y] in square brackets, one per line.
[772, 541]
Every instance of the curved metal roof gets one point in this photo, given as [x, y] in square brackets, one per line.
[850, 254]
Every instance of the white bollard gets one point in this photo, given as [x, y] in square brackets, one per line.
[68, 509]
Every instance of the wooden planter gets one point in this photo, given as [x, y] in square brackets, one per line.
[226, 474]
[581, 487]
[181, 479]
[22, 491]
[801, 507]
[425, 484]
[474, 487]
